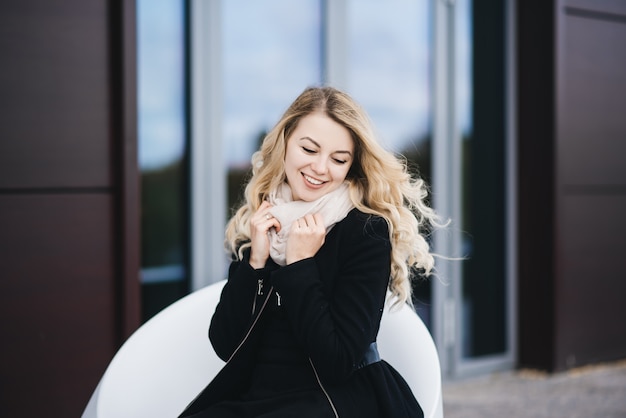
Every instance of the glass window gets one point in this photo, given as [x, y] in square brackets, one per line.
[272, 52]
[162, 128]
[480, 33]
[389, 60]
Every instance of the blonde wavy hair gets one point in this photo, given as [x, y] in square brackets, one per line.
[380, 184]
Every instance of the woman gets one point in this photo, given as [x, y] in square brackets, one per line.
[330, 222]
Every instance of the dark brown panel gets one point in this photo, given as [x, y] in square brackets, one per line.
[592, 280]
[56, 302]
[69, 243]
[591, 193]
[605, 6]
[535, 153]
[592, 102]
[54, 94]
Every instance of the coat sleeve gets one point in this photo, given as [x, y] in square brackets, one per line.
[233, 313]
[337, 325]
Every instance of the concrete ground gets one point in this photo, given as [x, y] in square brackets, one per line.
[589, 392]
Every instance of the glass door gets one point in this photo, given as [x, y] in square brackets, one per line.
[263, 71]
[475, 321]
[388, 72]
[163, 152]
[432, 76]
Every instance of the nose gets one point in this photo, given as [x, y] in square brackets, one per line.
[320, 165]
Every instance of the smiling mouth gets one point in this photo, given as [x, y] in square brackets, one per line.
[313, 181]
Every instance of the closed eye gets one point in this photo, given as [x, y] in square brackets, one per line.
[339, 161]
[308, 150]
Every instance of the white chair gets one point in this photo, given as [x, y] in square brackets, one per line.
[169, 359]
[406, 344]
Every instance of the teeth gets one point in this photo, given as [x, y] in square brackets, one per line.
[312, 180]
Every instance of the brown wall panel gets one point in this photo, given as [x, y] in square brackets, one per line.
[572, 182]
[56, 301]
[592, 126]
[592, 272]
[606, 6]
[69, 246]
[591, 184]
[535, 153]
[54, 94]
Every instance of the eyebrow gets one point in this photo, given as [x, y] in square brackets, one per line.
[319, 146]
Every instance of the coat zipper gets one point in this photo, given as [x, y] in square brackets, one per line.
[319, 382]
[245, 338]
[259, 292]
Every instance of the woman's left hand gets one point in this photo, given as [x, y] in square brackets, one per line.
[306, 237]
[260, 223]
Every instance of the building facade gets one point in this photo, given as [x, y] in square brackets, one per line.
[512, 111]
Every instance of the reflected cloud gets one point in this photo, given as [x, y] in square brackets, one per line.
[272, 51]
[160, 78]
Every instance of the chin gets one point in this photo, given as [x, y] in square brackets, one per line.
[308, 196]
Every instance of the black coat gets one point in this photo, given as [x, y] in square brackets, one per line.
[334, 301]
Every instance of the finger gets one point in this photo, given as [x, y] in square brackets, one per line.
[319, 220]
[265, 224]
[273, 222]
[263, 220]
[311, 221]
[262, 214]
[263, 208]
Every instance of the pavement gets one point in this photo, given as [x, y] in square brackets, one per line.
[591, 392]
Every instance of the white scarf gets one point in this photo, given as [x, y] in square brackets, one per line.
[333, 207]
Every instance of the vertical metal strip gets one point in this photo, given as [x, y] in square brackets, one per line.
[511, 180]
[446, 175]
[335, 43]
[207, 167]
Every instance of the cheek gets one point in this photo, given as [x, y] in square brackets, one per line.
[293, 158]
[341, 173]
[289, 160]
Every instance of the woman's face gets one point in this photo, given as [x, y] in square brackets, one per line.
[319, 154]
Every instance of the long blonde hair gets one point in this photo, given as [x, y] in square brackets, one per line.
[380, 184]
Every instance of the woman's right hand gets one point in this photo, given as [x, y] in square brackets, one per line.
[260, 224]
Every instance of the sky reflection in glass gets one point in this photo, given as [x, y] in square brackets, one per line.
[160, 79]
[388, 67]
[271, 52]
